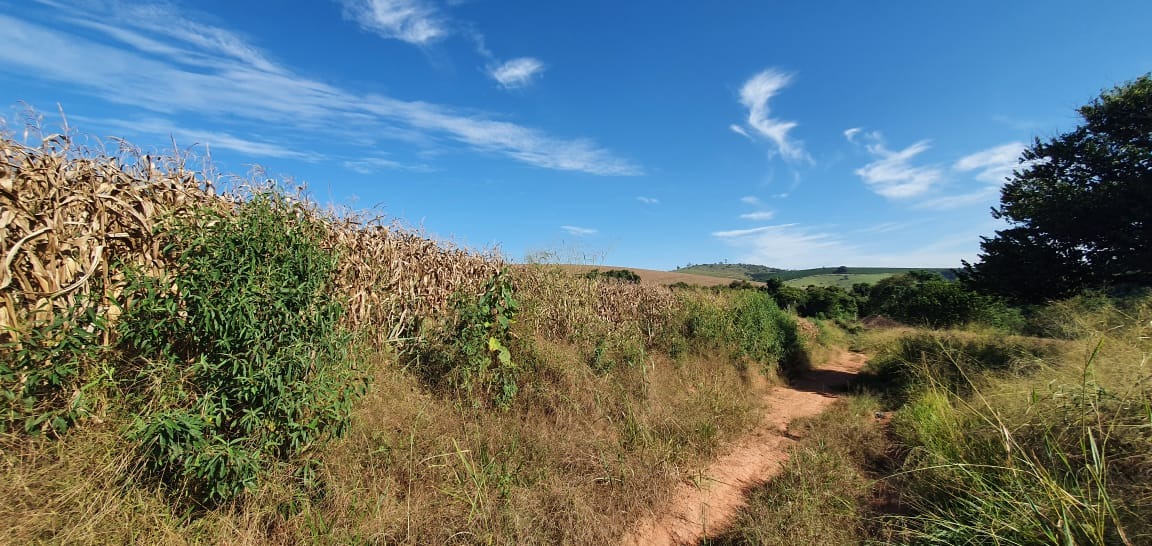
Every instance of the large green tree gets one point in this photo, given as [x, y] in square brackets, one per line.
[1079, 206]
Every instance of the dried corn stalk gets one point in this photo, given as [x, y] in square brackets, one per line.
[71, 221]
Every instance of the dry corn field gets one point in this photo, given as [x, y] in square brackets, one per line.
[607, 419]
[72, 220]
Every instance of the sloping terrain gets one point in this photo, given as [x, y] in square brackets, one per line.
[704, 507]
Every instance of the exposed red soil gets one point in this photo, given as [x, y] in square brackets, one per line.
[706, 506]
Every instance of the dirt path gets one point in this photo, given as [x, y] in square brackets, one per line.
[704, 508]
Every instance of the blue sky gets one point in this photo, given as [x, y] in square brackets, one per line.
[650, 134]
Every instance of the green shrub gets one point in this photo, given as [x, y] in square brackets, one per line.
[923, 298]
[705, 322]
[620, 275]
[828, 302]
[472, 352]
[747, 325]
[949, 360]
[46, 377]
[764, 333]
[238, 362]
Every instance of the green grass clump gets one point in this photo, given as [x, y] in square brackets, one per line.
[746, 324]
[237, 364]
[950, 360]
[1061, 454]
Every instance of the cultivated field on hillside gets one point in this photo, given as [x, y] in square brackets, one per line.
[826, 276]
[657, 278]
[182, 366]
[844, 281]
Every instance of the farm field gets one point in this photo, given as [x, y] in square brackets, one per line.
[654, 277]
[843, 277]
[191, 357]
[419, 392]
[844, 281]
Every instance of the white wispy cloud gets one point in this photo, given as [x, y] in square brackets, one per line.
[208, 139]
[850, 134]
[993, 165]
[983, 196]
[760, 215]
[754, 95]
[648, 200]
[579, 231]
[517, 73]
[737, 233]
[208, 74]
[373, 165]
[786, 245]
[413, 21]
[750, 200]
[796, 246]
[893, 174]
[885, 227]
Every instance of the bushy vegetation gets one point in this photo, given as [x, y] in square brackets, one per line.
[1056, 456]
[211, 385]
[471, 352]
[236, 362]
[923, 298]
[48, 374]
[622, 275]
[746, 324]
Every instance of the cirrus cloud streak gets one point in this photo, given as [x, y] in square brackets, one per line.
[198, 74]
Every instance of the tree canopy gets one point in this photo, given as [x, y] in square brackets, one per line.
[925, 298]
[1078, 207]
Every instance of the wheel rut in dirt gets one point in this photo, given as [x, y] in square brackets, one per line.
[706, 506]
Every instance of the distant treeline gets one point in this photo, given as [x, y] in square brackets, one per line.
[761, 273]
[790, 274]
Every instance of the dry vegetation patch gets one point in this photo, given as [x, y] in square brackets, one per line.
[618, 391]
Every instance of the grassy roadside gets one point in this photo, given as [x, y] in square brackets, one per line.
[825, 493]
[578, 457]
[182, 367]
[994, 439]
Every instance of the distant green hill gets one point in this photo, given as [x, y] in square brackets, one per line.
[729, 271]
[843, 277]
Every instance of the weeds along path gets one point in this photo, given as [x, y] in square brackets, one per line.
[705, 507]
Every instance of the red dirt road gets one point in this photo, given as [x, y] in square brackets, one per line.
[705, 508]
